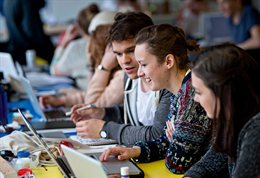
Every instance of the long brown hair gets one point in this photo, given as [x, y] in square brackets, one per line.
[97, 45]
[166, 39]
[233, 76]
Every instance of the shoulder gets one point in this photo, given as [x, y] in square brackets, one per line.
[251, 128]
[251, 15]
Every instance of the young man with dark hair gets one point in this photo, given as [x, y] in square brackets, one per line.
[145, 112]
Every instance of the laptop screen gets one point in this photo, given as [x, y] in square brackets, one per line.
[45, 146]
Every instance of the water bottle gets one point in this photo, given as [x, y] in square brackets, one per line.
[22, 161]
[124, 171]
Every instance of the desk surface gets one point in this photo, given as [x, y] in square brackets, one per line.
[152, 170]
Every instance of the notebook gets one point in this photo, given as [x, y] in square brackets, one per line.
[66, 171]
[51, 119]
[82, 163]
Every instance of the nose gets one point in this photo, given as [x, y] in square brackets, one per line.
[140, 72]
[126, 58]
[196, 98]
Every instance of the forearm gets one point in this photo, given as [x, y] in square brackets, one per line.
[115, 113]
[105, 93]
[250, 44]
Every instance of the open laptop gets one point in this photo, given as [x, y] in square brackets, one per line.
[7, 66]
[77, 164]
[49, 120]
[81, 163]
[66, 171]
[215, 28]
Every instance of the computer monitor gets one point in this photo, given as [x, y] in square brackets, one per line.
[215, 27]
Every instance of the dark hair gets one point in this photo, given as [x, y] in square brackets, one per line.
[85, 16]
[127, 25]
[167, 39]
[233, 77]
[97, 45]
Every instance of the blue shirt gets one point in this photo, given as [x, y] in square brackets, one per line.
[249, 18]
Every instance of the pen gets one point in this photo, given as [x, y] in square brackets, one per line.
[82, 108]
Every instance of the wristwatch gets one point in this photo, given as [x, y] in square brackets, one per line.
[103, 134]
[100, 67]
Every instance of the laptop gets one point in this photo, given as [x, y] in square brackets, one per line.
[77, 164]
[66, 171]
[215, 28]
[50, 119]
[82, 163]
[7, 66]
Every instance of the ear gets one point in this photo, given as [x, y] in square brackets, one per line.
[170, 61]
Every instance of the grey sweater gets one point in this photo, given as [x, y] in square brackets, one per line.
[247, 165]
[130, 134]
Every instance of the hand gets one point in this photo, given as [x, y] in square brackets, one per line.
[53, 101]
[89, 128]
[109, 59]
[70, 34]
[90, 113]
[169, 130]
[122, 153]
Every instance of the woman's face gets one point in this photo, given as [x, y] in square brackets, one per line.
[204, 96]
[154, 73]
[227, 7]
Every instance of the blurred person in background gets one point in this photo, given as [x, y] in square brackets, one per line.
[189, 15]
[105, 88]
[244, 21]
[70, 57]
[25, 29]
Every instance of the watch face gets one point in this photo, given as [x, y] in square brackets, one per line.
[103, 134]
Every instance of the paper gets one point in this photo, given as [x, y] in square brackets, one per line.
[89, 141]
[42, 79]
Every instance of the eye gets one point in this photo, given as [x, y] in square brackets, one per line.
[118, 54]
[197, 93]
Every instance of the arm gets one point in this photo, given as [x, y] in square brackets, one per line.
[254, 41]
[102, 90]
[190, 137]
[212, 164]
[190, 141]
[105, 93]
[128, 134]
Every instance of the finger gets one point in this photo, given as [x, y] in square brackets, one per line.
[170, 127]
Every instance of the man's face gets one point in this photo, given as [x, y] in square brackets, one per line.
[124, 51]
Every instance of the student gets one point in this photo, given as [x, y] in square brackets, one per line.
[25, 29]
[104, 88]
[145, 111]
[189, 17]
[161, 52]
[226, 81]
[244, 22]
[71, 49]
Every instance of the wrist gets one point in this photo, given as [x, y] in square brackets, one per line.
[103, 68]
[136, 151]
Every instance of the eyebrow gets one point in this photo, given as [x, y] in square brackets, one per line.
[126, 50]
